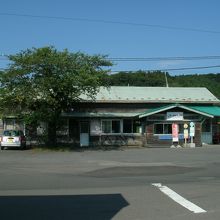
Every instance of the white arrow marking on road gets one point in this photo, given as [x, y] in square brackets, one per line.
[179, 199]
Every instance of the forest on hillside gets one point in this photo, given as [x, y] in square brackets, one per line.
[141, 78]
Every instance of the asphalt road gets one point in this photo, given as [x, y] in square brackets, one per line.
[115, 184]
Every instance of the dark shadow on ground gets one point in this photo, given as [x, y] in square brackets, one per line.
[71, 207]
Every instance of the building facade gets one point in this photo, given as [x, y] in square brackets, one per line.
[144, 116]
[140, 116]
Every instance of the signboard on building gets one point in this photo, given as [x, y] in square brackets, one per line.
[175, 132]
[174, 116]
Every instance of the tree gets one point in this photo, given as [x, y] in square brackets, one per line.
[138, 78]
[157, 78]
[40, 84]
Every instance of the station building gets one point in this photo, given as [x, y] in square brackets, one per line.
[143, 116]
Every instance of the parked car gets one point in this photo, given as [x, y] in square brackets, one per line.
[13, 138]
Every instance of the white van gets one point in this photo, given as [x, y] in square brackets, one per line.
[13, 138]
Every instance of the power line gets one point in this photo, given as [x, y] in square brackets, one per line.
[171, 69]
[5, 57]
[114, 22]
[163, 70]
[122, 59]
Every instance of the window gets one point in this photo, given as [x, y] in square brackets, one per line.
[127, 126]
[116, 128]
[131, 126]
[111, 126]
[136, 126]
[166, 128]
[12, 133]
[158, 129]
[106, 126]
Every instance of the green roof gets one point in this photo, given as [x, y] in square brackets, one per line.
[133, 94]
[212, 110]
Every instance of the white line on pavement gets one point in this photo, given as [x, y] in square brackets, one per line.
[179, 199]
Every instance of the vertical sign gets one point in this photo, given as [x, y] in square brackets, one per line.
[192, 133]
[192, 129]
[186, 133]
[175, 132]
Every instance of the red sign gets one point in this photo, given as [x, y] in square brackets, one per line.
[175, 132]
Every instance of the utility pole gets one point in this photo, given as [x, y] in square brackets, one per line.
[167, 85]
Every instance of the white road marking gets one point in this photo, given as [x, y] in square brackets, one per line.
[179, 199]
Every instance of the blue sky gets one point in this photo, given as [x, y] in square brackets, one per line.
[117, 40]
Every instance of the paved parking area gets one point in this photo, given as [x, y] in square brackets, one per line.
[110, 184]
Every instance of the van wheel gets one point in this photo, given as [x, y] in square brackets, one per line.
[2, 148]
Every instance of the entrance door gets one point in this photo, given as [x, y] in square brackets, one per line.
[84, 133]
[206, 137]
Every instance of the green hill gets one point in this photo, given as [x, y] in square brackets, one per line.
[141, 78]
